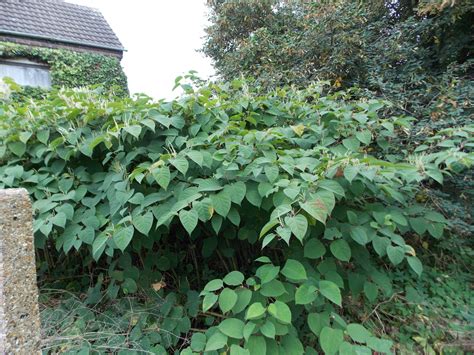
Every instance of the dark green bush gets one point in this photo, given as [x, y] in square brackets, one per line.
[283, 210]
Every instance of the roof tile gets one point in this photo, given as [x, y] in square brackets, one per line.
[58, 20]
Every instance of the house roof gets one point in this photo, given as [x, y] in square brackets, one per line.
[57, 20]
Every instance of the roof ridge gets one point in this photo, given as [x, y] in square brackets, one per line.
[79, 5]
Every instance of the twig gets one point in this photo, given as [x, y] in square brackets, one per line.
[378, 305]
[212, 314]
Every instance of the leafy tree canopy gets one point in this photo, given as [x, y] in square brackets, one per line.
[415, 53]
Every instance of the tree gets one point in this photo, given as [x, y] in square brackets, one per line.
[398, 49]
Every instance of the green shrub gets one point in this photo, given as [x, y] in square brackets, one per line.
[283, 210]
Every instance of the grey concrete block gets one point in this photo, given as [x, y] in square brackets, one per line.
[19, 311]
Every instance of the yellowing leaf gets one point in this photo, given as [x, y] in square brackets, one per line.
[158, 285]
[299, 129]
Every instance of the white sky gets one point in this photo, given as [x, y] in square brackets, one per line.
[161, 38]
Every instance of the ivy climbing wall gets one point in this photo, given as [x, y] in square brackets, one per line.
[73, 69]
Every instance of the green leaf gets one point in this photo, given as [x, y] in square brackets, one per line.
[129, 286]
[181, 164]
[265, 188]
[294, 270]
[209, 301]
[298, 225]
[435, 217]
[333, 186]
[267, 273]
[341, 250]
[256, 345]
[216, 223]
[350, 172]
[328, 198]
[65, 185]
[292, 191]
[162, 176]
[268, 226]
[123, 237]
[317, 321]
[351, 144]
[348, 349]
[436, 230]
[198, 341]
[164, 120]
[243, 299]
[419, 225]
[268, 329]
[232, 327]
[17, 148]
[43, 136]
[17, 172]
[330, 340]
[221, 203]
[380, 245]
[134, 130]
[208, 185]
[196, 157]
[395, 254]
[253, 196]
[371, 291]
[256, 310]
[435, 175]
[234, 278]
[87, 235]
[237, 192]
[216, 341]
[271, 171]
[227, 300]
[59, 219]
[143, 223]
[358, 333]
[248, 330]
[237, 350]
[273, 288]
[316, 208]
[364, 136]
[330, 290]
[189, 220]
[305, 294]
[359, 234]
[284, 233]
[291, 345]
[268, 239]
[314, 249]
[380, 345]
[98, 245]
[415, 264]
[280, 311]
[214, 285]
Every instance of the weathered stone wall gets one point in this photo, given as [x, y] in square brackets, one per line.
[19, 312]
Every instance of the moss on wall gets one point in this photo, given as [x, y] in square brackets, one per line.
[73, 69]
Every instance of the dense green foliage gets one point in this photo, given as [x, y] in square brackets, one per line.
[417, 54]
[258, 223]
[72, 69]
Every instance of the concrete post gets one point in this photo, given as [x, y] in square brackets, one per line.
[19, 312]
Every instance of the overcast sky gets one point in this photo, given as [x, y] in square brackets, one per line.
[161, 38]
